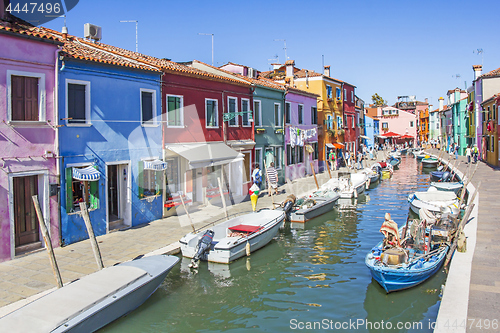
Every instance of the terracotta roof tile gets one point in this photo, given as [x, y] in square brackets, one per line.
[17, 26]
[493, 73]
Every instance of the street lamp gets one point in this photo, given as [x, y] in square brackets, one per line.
[200, 33]
[136, 36]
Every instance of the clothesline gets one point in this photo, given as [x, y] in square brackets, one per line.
[299, 136]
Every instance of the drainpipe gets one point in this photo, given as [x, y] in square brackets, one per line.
[56, 136]
[283, 160]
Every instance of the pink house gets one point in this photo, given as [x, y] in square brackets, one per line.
[398, 121]
[28, 136]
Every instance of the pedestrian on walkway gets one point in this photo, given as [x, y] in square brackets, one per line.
[272, 179]
[475, 152]
[257, 175]
[456, 151]
[360, 159]
[348, 158]
[468, 153]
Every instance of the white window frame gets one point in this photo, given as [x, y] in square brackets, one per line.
[353, 122]
[236, 110]
[278, 157]
[338, 93]
[155, 111]
[41, 95]
[216, 112]
[279, 115]
[181, 97]
[345, 95]
[300, 118]
[290, 114]
[88, 121]
[352, 96]
[257, 112]
[329, 91]
[249, 124]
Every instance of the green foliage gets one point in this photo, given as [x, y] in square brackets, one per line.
[378, 101]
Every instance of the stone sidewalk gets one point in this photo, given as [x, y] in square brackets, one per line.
[483, 303]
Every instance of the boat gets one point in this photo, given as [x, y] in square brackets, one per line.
[437, 202]
[386, 169]
[403, 151]
[348, 185]
[419, 154]
[373, 174]
[448, 186]
[429, 162]
[394, 161]
[403, 258]
[227, 241]
[313, 205]
[93, 301]
[440, 176]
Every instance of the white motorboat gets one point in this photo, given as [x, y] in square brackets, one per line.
[437, 202]
[448, 186]
[227, 241]
[348, 186]
[93, 301]
[372, 175]
[311, 206]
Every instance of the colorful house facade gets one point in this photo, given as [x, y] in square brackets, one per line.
[490, 129]
[110, 138]
[457, 101]
[28, 136]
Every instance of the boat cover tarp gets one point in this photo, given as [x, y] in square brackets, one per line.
[435, 196]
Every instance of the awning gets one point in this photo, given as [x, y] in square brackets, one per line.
[338, 145]
[201, 155]
[88, 173]
[365, 137]
[329, 145]
[155, 165]
[241, 144]
[391, 135]
[406, 136]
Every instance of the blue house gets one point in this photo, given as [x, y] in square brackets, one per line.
[110, 138]
[370, 131]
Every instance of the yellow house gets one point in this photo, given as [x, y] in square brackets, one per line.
[490, 129]
[330, 105]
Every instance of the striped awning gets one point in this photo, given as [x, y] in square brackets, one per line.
[155, 165]
[88, 173]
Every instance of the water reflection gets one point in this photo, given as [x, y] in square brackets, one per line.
[304, 275]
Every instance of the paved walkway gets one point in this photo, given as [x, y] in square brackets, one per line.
[482, 306]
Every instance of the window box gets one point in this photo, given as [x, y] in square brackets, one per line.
[278, 131]
[330, 132]
[260, 130]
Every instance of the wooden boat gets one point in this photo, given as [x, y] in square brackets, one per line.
[229, 239]
[348, 185]
[394, 161]
[448, 186]
[407, 265]
[430, 162]
[311, 206]
[93, 301]
[438, 202]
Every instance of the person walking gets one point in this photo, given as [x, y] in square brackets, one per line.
[475, 152]
[257, 175]
[272, 179]
[360, 159]
[468, 153]
[456, 151]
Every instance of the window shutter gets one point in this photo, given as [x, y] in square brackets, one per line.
[140, 179]
[17, 97]
[94, 193]
[31, 98]
[69, 190]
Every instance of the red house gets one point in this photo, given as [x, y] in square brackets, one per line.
[351, 118]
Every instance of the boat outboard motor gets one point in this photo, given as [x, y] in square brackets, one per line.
[203, 247]
[287, 205]
[446, 175]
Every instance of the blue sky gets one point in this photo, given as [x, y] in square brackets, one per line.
[400, 47]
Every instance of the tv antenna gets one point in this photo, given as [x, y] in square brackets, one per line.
[479, 52]
[284, 48]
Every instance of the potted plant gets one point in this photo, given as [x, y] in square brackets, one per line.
[330, 132]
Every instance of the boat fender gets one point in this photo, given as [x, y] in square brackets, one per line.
[367, 184]
[247, 248]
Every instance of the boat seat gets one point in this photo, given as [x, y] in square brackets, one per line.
[245, 228]
[53, 310]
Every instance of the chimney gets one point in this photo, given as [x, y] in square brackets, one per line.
[477, 71]
[64, 31]
[426, 101]
[3, 13]
[289, 67]
[326, 71]
[441, 101]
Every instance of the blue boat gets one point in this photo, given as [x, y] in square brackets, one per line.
[394, 161]
[414, 268]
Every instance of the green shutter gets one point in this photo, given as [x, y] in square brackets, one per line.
[69, 190]
[159, 182]
[94, 193]
[140, 179]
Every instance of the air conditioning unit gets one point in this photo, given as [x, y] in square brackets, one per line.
[92, 31]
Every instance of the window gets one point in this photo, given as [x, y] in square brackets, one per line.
[352, 96]
[316, 153]
[411, 123]
[26, 96]
[211, 113]
[172, 175]
[245, 103]
[258, 157]
[494, 112]
[257, 113]
[339, 122]
[279, 154]
[293, 155]
[329, 122]
[385, 126]
[277, 115]
[337, 93]
[301, 114]
[232, 108]
[78, 102]
[288, 155]
[288, 111]
[80, 191]
[148, 107]
[175, 111]
[149, 181]
[345, 94]
[314, 115]
[353, 122]
[329, 92]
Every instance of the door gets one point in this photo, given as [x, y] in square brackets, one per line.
[197, 185]
[113, 204]
[25, 219]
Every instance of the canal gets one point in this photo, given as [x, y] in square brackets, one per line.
[305, 277]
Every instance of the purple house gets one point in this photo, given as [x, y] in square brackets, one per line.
[301, 133]
[28, 135]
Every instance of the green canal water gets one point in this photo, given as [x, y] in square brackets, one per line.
[310, 279]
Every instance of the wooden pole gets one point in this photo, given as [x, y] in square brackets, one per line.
[314, 174]
[48, 244]
[329, 173]
[90, 230]
[222, 198]
[457, 233]
[187, 213]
